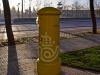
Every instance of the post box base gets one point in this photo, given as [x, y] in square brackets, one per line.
[52, 68]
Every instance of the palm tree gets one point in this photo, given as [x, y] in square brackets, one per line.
[94, 28]
[7, 16]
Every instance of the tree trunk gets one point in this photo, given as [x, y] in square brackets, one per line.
[94, 27]
[7, 16]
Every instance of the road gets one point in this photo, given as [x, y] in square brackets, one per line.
[27, 30]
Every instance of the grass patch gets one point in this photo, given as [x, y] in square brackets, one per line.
[20, 40]
[74, 35]
[35, 38]
[88, 58]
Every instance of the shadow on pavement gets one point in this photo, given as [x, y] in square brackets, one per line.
[91, 38]
[62, 73]
[13, 68]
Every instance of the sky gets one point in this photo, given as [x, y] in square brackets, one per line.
[33, 3]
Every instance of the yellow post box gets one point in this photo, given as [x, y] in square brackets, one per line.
[49, 62]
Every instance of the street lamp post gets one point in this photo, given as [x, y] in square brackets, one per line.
[22, 8]
[0, 10]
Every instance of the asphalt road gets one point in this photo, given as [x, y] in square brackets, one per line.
[73, 23]
[68, 23]
[70, 26]
[78, 23]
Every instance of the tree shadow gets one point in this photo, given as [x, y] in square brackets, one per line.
[13, 67]
[62, 73]
[91, 38]
[88, 37]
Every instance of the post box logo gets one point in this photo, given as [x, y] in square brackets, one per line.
[47, 54]
[40, 39]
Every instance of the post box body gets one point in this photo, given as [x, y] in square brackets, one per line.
[49, 62]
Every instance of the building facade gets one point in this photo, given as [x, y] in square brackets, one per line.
[77, 14]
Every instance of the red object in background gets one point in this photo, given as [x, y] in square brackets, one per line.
[40, 39]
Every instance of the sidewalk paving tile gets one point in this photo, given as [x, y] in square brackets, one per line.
[21, 59]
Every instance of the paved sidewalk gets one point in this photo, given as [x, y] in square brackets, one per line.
[21, 59]
[79, 43]
[20, 31]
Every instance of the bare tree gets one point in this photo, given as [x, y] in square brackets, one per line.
[97, 7]
[76, 5]
[26, 13]
[47, 3]
[34, 13]
[86, 5]
[13, 12]
[94, 28]
[38, 5]
[96, 4]
[7, 16]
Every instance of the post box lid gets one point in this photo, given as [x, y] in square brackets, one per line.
[49, 10]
